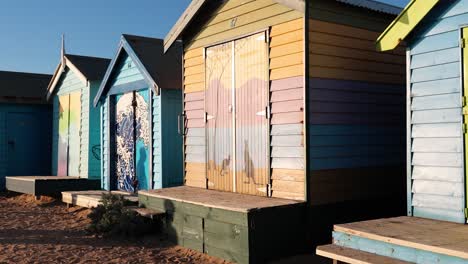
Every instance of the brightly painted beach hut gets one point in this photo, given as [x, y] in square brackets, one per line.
[293, 121]
[24, 125]
[141, 101]
[436, 35]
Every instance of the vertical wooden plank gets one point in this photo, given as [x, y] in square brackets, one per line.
[409, 157]
[465, 112]
[63, 112]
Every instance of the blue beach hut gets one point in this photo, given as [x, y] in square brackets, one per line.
[140, 99]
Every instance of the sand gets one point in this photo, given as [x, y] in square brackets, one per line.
[46, 231]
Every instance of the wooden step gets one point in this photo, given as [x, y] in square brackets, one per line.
[148, 213]
[352, 256]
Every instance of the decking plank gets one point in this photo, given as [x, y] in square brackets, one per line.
[352, 256]
[424, 234]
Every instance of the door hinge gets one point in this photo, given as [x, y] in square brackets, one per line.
[466, 213]
[463, 100]
[462, 43]
[465, 130]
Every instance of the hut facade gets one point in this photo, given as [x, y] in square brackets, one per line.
[25, 125]
[141, 100]
[76, 123]
[435, 33]
[285, 101]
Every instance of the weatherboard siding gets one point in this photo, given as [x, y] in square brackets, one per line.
[287, 110]
[356, 106]
[94, 162]
[437, 172]
[105, 151]
[157, 143]
[236, 18]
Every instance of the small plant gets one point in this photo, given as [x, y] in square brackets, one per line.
[113, 217]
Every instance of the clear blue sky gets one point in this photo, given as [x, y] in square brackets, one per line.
[30, 29]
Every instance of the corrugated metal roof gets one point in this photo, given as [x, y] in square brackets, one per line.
[23, 85]
[374, 5]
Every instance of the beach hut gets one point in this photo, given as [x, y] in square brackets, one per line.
[435, 33]
[141, 100]
[75, 129]
[24, 125]
[293, 121]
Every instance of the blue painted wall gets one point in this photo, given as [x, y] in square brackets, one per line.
[167, 144]
[37, 135]
[437, 161]
[90, 123]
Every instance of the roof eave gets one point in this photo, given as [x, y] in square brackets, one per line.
[58, 73]
[404, 24]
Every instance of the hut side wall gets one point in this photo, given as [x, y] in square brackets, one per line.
[437, 174]
[71, 83]
[356, 108]
[41, 148]
[94, 163]
[105, 151]
[237, 18]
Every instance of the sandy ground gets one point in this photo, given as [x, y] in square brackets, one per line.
[48, 232]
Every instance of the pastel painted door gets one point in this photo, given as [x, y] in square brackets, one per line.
[132, 133]
[69, 135]
[465, 112]
[237, 107]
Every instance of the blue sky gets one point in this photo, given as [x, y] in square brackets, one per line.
[31, 29]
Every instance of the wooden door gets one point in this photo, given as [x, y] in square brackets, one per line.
[219, 117]
[465, 111]
[252, 113]
[237, 116]
[63, 130]
[69, 135]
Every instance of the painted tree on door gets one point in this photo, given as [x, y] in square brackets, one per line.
[69, 134]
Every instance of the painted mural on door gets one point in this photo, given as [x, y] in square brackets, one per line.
[237, 116]
[132, 141]
[69, 134]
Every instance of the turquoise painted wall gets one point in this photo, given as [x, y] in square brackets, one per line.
[40, 112]
[167, 156]
[90, 120]
[437, 160]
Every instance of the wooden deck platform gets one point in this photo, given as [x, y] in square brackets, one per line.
[410, 239]
[91, 199]
[236, 227]
[49, 185]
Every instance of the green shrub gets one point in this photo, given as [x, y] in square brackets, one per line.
[113, 217]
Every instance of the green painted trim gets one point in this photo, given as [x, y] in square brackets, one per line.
[402, 26]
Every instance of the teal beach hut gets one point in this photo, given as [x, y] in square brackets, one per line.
[24, 125]
[76, 123]
[140, 99]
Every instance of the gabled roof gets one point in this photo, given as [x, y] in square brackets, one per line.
[24, 86]
[299, 5]
[161, 70]
[87, 68]
[405, 23]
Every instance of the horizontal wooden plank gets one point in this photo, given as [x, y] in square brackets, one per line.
[438, 72]
[436, 116]
[188, 54]
[194, 105]
[335, 61]
[287, 118]
[198, 69]
[441, 41]
[200, 168]
[436, 102]
[287, 106]
[357, 107]
[439, 214]
[286, 72]
[379, 89]
[287, 60]
[292, 36]
[195, 114]
[438, 159]
[286, 84]
[287, 95]
[194, 61]
[194, 158]
[288, 186]
[447, 174]
[200, 150]
[436, 130]
[288, 175]
[437, 145]
[195, 123]
[353, 256]
[195, 141]
[365, 55]
[195, 132]
[189, 97]
[288, 163]
[451, 189]
[438, 201]
[195, 87]
[293, 25]
[287, 152]
[194, 183]
[287, 141]
[289, 48]
[435, 87]
[196, 78]
[288, 129]
[435, 58]
[345, 74]
[288, 195]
